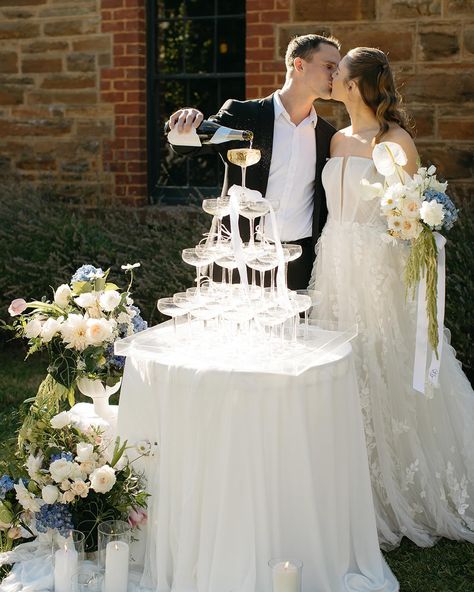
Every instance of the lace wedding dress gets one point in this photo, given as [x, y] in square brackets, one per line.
[420, 447]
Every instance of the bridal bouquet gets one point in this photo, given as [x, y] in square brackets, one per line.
[414, 209]
[79, 326]
[72, 479]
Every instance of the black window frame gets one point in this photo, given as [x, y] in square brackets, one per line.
[185, 194]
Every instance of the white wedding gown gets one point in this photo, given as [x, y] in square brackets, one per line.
[420, 447]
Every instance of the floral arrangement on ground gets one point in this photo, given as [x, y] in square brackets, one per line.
[70, 471]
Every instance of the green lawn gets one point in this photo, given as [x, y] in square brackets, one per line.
[447, 567]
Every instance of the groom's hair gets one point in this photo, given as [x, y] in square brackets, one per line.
[305, 45]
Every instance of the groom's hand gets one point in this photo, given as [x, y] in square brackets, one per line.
[185, 119]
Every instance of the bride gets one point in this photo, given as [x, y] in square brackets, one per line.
[420, 448]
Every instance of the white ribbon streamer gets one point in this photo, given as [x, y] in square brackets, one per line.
[421, 347]
[236, 192]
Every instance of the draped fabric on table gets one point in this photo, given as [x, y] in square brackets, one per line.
[250, 467]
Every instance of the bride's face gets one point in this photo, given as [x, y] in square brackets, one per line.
[340, 77]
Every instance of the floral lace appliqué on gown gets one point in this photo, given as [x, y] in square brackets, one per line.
[420, 448]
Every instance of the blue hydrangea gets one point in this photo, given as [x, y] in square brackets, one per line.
[56, 516]
[69, 456]
[137, 322]
[449, 209]
[117, 362]
[87, 273]
[6, 485]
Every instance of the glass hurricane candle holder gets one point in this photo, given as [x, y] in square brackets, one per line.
[68, 554]
[114, 538]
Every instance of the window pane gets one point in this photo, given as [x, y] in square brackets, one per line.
[231, 45]
[170, 8]
[230, 6]
[200, 7]
[200, 46]
[171, 36]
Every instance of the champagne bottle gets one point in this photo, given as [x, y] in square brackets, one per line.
[210, 132]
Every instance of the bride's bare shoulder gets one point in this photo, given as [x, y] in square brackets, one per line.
[339, 137]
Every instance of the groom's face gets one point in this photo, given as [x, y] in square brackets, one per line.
[319, 68]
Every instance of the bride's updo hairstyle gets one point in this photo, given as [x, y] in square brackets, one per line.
[369, 67]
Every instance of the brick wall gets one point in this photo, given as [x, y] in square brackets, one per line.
[430, 44]
[72, 96]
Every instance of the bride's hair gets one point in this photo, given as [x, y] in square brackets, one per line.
[369, 67]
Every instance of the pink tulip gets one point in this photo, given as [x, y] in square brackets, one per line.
[137, 516]
[17, 307]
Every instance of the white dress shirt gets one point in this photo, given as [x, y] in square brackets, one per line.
[291, 178]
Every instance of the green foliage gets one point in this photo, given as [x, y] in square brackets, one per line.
[422, 263]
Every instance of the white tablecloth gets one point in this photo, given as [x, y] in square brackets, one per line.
[252, 466]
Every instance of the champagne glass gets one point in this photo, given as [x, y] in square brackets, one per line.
[218, 207]
[199, 257]
[168, 307]
[244, 157]
[252, 210]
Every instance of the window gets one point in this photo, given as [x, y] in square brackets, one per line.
[197, 59]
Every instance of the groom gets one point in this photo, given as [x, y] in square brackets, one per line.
[294, 143]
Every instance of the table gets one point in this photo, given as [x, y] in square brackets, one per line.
[252, 466]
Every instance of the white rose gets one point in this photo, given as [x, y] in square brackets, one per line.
[86, 300]
[33, 328]
[99, 330]
[60, 469]
[80, 488]
[395, 191]
[33, 465]
[62, 295]
[431, 213]
[61, 420]
[109, 300]
[49, 329]
[103, 479]
[84, 451]
[26, 498]
[50, 494]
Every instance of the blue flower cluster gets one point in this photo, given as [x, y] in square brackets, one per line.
[449, 209]
[6, 485]
[69, 456]
[87, 273]
[117, 362]
[56, 516]
[138, 323]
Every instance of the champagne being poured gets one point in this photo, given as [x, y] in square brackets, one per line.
[209, 132]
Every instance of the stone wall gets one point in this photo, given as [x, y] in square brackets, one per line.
[429, 42]
[72, 96]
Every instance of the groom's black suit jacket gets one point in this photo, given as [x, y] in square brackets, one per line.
[258, 116]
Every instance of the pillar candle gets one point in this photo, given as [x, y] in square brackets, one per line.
[286, 577]
[116, 566]
[65, 565]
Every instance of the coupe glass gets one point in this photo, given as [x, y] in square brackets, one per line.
[244, 157]
[252, 210]
[199, 257]
[168, 307]
[218, 207]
